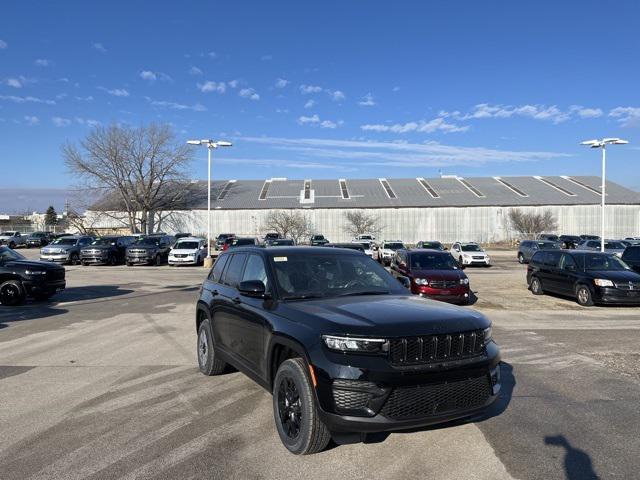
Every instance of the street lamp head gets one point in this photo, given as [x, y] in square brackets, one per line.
[224, 144]
[194, 142]
[590, 142]
[604, 142]
[205, 141]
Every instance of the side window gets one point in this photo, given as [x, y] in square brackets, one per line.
[233, 272]
[567, 261]
[218, 267]
[254, 270]
[593, 244]
[551, 259]
[84, 241]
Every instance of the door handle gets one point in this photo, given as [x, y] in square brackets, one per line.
[237, 300]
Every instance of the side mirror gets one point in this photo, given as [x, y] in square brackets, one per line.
[402, 265]
[252, 288]
[404, 281]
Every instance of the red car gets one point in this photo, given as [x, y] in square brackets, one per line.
[433, 274]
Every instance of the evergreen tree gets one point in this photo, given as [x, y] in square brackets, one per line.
[51, 217]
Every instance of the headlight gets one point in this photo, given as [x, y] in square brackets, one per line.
[34, 272]
[603, 283]
[464, 281]
[357, 345]
[421, 281]
[63, 250]
[488, 335]
[488, 258]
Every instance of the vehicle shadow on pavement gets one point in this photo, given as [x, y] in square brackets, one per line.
[577, 463]
[508, 383]
[27, 312]
[91, 292]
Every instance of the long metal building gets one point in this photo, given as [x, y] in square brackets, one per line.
[448, 209]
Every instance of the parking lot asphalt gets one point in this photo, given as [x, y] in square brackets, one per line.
[102, 382]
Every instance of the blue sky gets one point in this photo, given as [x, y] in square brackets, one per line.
[327, 89]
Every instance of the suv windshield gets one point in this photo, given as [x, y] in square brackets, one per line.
[472, 247]
[318, 275]
[7, 234]
[614, 245]
[104, 241]
[432, 245]
[36, 235]
[242, 241]
[6, 255]
[432, 261]
[318, 237]
[148, 241]
[186, 246]
[65, 241]
[548, 246]
[604, 262]
[281, 242]
[393, 246]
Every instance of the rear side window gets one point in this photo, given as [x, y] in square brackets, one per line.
[537, 258]
[233, 272]
[632, 253]
[551, 259]
[567, 261]
[218, 267]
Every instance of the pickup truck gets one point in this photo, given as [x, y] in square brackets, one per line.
[13, 239]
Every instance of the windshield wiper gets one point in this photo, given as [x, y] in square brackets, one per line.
[304, 296]
[365, 292]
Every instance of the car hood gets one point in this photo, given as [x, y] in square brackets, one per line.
[98, 247]
[184, 250]
[616, 276]
[384, 315]
[27, 265]
[439, 274]
[52, 248]
[484, 254]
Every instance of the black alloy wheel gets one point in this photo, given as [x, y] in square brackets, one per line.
[297, 421]
[11, 293]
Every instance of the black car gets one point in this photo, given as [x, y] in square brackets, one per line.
[220, 240]
[631, 257]
[243, 242]
[589, 237]
[430, 245]
[569, 241]
[38, 239]
[280, 242]
[348, 245]
[151, 250]
[106, 250]
[20, 278]
[589, 277]
[343, 347]
[318, 240]
[551, 237]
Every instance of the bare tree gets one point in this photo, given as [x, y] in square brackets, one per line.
[293, 224]
[139, 170]
[532, 224]
[359, 222]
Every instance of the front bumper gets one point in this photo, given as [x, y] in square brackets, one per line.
[353, 399]
[54, 257]
[476, 261]
[616, 296]
[183, 260]
[35, 286]
[94, 258]
[140, 259]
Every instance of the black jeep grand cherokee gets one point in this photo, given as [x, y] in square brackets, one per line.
[20, 278]
[344, 348]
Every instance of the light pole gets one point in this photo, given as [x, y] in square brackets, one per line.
[602, 144]
[211, 145]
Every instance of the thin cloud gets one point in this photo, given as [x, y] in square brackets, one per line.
[283, 163]
[195, 71]
[266, 58]
[60, 122]
[367, 101]
[307, 89]
[310, 103]
[13, 82]
[42, 62]
[627, 116]
[3, 44]
[436, 125]
[281, 83]
[537, 112]
[116, 92]
[153, 76]
[585, 112]
[29, 99]
[210, 86]
[31, 120]
[336, 95]
[99, 47]
[249, 93]
[314, 120]
[176, 106]
[84, 99]
[233, 83]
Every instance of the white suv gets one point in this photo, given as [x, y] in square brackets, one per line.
[470, 254]
[388, 250]
[370, 248]
[188, 251]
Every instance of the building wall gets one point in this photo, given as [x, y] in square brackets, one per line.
[447, 224]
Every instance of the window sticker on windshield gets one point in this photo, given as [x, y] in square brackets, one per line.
[279, 259]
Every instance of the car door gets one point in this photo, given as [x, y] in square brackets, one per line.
[567, 274]
[228, 299]
[552, 276]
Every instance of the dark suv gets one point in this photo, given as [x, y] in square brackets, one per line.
[151, 250]
[589, 277]
[528, 248]
[20, 278]
[342, 346]
[38, 239]
[434, 274]
[631, 257]
[106, 250]
[220, 240]
[318, 240]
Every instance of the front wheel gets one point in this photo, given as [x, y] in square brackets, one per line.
[158, 260]
[297, 420]
[208, 363]
[584, 296]
[520, 258]
[74, 260]
[12, 293]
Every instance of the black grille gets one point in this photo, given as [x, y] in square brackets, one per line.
[436, 399]
[628, 286]
[443, 283]
[436, 348]
[352, 394]
[57, 274]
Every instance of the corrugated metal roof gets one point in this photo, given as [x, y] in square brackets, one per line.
[370, 193]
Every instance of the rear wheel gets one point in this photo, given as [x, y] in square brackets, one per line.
[208, 363]
[520, 258]
[536, 286]
[584, 296]
[12, 293]
[299, 426]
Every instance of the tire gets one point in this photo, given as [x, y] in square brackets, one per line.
[521, 259]
[293, 397]
[85, 264]
[12, 293]
[158, 261]
[129, 264]
[208, 363]
[12, 245]
[536, 286]
[460, 261]
[112, 261]
[584, 296]
[74, 259]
